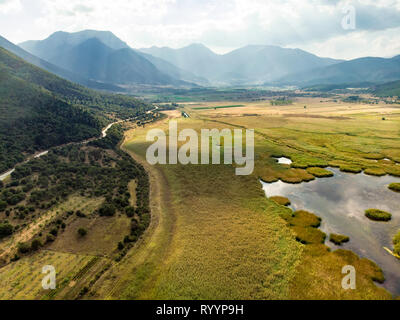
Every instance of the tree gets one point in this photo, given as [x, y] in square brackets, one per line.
[82, 232]
[36, 244]
[130, 212]
[23, 248]
[50, 238]
[6, 230]
[107, 210]
[3, 206]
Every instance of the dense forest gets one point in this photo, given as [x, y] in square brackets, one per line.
[39, 110]
[96, 169]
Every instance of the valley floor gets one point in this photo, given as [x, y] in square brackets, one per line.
[215, 235]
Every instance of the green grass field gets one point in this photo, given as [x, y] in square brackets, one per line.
[215, 235]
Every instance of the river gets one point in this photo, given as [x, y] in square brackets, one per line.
[341, 202]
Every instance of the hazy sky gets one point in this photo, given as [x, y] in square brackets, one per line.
[222, 25]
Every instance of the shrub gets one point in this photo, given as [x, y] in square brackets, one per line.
[82, 232]
[6, 230]
[54, 232]
[23, 248]
[395, 187]
[50, 238]
[338, 239]
[3, 206]
[36, 244]
[121, 246]
[378, 215]
[80, 214]
[281, 200]
[130, 212]
[107, 210]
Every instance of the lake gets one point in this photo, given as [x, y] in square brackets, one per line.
[341, 202]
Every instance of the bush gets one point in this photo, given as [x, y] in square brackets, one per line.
[3, 206]
[23, 248]
[54, 232]
[378, 215]
[338, 239]
[130, 212]
[36, 244]
[82, 232]
[50, 238]
[121, 246]
[107, 210]
[6, 230]
[80, 214]
[395, 187]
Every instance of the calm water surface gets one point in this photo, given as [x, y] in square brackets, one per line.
[341, 202]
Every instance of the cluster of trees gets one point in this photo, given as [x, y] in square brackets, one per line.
[281, 102]
[98, 169]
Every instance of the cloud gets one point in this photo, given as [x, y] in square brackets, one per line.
[10, 6]
[222, 24]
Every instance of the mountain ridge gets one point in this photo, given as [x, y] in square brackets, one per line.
[92, 54]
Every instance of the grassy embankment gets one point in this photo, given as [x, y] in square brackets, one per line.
[215, 236]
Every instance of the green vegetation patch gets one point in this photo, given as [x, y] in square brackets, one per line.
[378, 215]
[375, 172]
[374, 156]
[395, 187]
[338, 239]
[320, 172]
[307, 235]
[283, 201]
[305, 224]
[396, 242]
[350, 169]
[304, 219]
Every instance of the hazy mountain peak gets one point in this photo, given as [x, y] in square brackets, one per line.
[61, 38]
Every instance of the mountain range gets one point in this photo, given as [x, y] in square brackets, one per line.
[100, 59]
[247, 65]
[39, 110]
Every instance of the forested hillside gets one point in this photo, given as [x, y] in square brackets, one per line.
[39, 110]
[390, 89]
[100, 56]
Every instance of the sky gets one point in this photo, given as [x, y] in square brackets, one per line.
[342, 29]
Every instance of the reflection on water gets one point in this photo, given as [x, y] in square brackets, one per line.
[284, 160]
[341, 201]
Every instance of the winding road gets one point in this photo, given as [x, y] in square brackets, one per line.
[5, 175]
